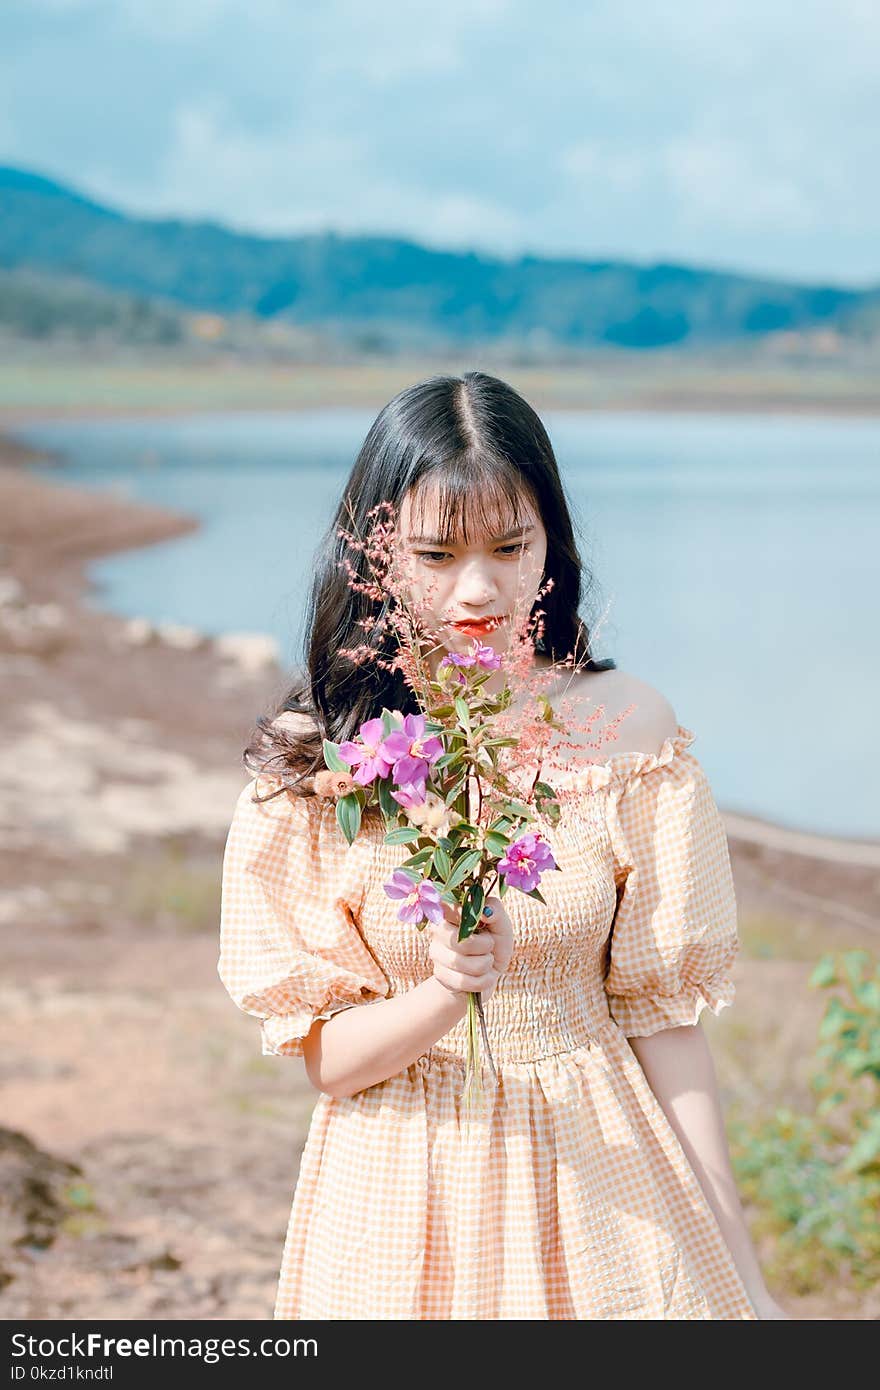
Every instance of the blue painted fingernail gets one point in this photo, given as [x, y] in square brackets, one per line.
[487, 911]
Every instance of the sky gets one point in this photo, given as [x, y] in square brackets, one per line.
[726, 134]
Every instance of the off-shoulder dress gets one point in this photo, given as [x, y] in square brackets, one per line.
[570, 1196]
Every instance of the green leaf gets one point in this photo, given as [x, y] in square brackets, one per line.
[868, 994]
[405, 835]
[463, 712]
[834, 1018]
[862, 1063]
[865, 1151]
[536, 894]
[824, 972]
[471, 908]
[545, 788]
[497, 844]
[454, 792]
[465, 865]
[442, 863]
[389, 807]
[416, 860]
[332, 758]
[829, 1102]
[854, 964]
[348, 816]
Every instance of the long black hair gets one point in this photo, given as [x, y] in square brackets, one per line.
[486, 449]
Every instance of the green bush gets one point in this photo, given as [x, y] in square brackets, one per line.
[815, 1179]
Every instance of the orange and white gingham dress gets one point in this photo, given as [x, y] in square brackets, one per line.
[570, 1196]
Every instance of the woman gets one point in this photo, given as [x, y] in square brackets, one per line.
[598, 1185]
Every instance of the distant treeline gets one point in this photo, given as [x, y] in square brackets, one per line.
[41, 306]
[72, 267]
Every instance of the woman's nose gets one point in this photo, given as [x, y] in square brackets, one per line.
[476, 588]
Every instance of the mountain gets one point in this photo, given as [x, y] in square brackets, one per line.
[399, 291]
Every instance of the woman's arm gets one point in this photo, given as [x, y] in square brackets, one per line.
[678, 1065]
[359, 1047]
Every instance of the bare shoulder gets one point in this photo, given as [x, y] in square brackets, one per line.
[651, 718]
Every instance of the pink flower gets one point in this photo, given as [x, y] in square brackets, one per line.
[458, 659]
[525, 860]
[368, 756]
[419, 899]
[412, 754]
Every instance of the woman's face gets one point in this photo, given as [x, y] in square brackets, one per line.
[496, 575]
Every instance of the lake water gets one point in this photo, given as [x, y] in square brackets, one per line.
[738, 558]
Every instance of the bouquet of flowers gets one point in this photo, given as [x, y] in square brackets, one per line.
[446, 779]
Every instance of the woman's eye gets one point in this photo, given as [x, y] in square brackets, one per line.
[436, 557]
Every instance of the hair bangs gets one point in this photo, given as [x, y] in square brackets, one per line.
[467, 498]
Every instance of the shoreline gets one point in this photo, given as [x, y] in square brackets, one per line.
[41, 384]
[866, 408]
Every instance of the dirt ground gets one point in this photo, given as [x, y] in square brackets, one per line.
[150, 1152]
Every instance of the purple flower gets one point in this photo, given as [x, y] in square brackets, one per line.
[411, 753]
[525, 860]
[410, 794]
[487, 657]
[368, 756]
[480, 654]
[419, 899]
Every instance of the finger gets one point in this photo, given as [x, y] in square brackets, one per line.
[497, 923]
[474, 967]
[453, 952]
[467, 984]
[475, 944]
[493, 908]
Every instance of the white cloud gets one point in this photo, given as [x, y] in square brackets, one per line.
[604, 167]
[215, 168]
[717, 183]
[737, 132]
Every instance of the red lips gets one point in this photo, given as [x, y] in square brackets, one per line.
[479, 626]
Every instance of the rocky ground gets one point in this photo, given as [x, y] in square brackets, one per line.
[149, 1151]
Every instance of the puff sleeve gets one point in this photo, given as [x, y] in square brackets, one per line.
[290, 945]
[674, 934]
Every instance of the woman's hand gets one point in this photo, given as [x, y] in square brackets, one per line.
[474, 965]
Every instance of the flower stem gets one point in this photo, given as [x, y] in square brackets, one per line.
[473, 1092]
[478, 1003]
